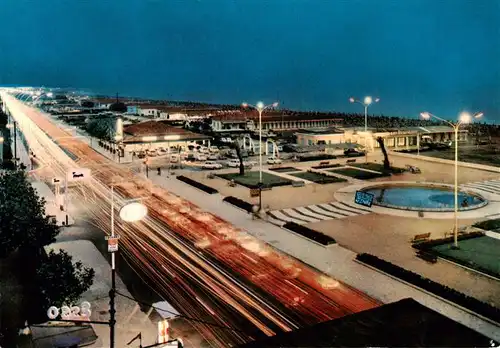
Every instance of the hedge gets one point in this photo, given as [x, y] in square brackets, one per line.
[238, 203]
[488, 225]
[316, 158]
[431, 286]
[327, 166]
[198, 185]
[311, 234]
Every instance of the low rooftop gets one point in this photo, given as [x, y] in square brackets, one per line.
[405, 323]
[138, 131]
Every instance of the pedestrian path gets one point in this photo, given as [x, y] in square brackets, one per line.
[315, 213]
[490, 186]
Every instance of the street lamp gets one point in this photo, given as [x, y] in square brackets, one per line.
[464, 118]
[260, 107]
[367, 101]
[131, 211]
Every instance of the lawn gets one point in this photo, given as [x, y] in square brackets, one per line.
[486, 155]
[357, 173]
[284, 169]
[251, 179]
[481, 253]
[378, 167]
[317, 178]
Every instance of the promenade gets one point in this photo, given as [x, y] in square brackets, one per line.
[335, 261]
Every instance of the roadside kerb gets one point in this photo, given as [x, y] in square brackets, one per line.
[430, 293]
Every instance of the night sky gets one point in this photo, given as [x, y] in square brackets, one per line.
[437, 55]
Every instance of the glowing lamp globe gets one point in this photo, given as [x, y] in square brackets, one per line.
[425, 115]
[275, 105]
[260, 105]
[133, 212]
[368, 100]
[351, 100]
[465, 117]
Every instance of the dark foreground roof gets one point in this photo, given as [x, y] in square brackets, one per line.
[405, 323]
[62, 336]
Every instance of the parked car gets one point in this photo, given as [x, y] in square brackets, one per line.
[162, 151]
[174, 158]
[353, 153]
[234, 163]
[213, 149]
[200, 157]
[274, 160]
[141, 154]
[213, 157]
[211, 165]
[151, 153]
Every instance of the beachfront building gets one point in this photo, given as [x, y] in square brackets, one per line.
[395, 139]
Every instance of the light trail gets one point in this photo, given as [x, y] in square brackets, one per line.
[198, 262]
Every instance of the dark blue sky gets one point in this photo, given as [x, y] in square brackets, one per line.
[436, 55]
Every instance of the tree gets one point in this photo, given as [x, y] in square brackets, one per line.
[387, 164]
[118, 107]
[102, 128]
[23, 224]
[236, 147]
[87, 104]
[60, 281]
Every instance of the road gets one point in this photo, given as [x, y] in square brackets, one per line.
[202, 265]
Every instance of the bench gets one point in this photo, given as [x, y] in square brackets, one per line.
[420, 238]
[298, 183]
[324, 163]
[351, 161]
[428, 257]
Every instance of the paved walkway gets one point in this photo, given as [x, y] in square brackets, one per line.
[52, 203]
[335, 261]
[315, 213]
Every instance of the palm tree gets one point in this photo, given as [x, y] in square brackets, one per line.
[387, 164]
[236, 146]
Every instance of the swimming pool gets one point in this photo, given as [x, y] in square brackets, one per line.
[423, 197]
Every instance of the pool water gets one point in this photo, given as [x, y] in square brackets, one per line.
[422, 198]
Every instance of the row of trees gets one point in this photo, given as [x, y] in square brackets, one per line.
[44, 279]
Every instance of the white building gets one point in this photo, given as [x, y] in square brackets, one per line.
[396, 139]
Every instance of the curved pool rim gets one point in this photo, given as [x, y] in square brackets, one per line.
[426, 185]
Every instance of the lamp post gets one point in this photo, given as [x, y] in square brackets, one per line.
[464, 118]
[131, 211]
[260, 107]
[367, 101]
